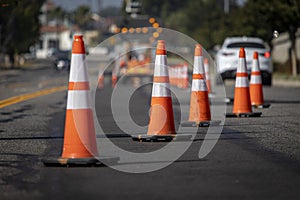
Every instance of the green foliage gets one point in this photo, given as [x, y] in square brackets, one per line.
[57, 13]
[19, 25]
[205, 20]
[162, 8]
[110, 11]
[81, 16]
[260, 18]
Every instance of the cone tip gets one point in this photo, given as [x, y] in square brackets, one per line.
[242, 53]
[198, 50]
[78, 37]
[255, 55]
[78, 45]
[160, 49]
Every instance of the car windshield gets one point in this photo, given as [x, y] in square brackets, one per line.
[246, 45]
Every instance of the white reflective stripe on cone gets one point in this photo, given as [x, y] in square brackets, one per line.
[79, 99]
[161, 68]
[241, 82]
[78, 73]
[161, 90]
[185, 71]
[198, 65]
[181, 72]
[255, 66]
[206, 69]
[255, 79]
[242, 66]
[199, 85]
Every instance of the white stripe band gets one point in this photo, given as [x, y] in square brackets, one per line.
[185, 71]
[79, 99]
[161, 68]
[255, 66]
[242, 66]
[241, 82]
[198, 65]
[161, 90]
[78, 71]
[199, 85]
[255, 79]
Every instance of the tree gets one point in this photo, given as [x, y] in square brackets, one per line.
[57, 14]
[162, 8]
[202, 20]
[110, 11]
[20, 26]
[82, 16]
[261, 18]
[205, 20]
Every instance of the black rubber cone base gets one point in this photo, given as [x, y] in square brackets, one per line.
[200, 124]
[161, 138]
[252, 114]
[229, 100]
[266, 105]
[79, 162]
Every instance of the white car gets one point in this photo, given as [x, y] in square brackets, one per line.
[227, 58]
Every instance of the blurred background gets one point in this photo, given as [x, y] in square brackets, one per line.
[40, 29]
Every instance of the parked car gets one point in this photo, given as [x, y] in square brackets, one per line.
[62, 60]
[227, 58]
[62, 63]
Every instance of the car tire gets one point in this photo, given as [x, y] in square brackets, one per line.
[267, 79]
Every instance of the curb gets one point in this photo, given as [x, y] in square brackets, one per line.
[285, 83]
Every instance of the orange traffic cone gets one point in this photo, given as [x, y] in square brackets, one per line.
[199, 102]
[256, 90]
[241, 103]
[161, 125]
[207, 76]
[100, 84]
[171, 75]
[79, 146]
[184, 77]
[114, 73]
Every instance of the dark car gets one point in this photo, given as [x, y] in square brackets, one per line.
[62, 60]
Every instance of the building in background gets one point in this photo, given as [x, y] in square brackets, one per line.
[57, 34]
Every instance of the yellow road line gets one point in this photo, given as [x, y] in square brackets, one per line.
[24, 97]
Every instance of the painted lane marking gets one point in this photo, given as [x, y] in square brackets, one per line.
[24, 97]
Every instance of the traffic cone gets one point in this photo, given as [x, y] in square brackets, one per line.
[79, 146]
[207, 76]
[115, 73]
[241, 103]
[184, 77]
[100, 84]
[199, 103]
[161, 124]
[256, 90]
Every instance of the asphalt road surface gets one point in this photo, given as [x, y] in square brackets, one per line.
[254, 158]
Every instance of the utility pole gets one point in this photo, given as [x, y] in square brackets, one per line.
[226, 6]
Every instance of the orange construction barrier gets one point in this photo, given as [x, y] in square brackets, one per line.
[207, 76]
[241, 103]
[161, 124]
[79, 146]
[256, 89]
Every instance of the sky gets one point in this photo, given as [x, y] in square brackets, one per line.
[72, 4]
